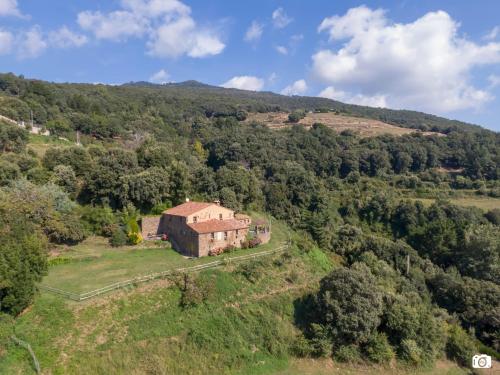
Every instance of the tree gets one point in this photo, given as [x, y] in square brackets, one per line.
[479, 253]
[65, 177]
[23, 257]
[228, 199]
[296, 116]
[8, 172]
[12, 138]
[349, 304]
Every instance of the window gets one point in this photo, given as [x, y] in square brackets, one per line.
[195, 219]
[212, 235]
[218, 236]
[225, 235]
[237, 232]
[220, 216]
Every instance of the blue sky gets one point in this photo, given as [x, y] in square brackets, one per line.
[441, 57]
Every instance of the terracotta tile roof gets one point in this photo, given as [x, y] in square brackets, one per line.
[187, 208]
[215, 225]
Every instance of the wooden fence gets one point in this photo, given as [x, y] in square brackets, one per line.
[158, 275]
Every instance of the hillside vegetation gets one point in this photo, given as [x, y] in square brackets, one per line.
[375, 277]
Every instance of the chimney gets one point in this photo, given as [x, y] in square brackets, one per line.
[217, 202]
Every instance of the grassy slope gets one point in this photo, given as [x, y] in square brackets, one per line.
[243, 327]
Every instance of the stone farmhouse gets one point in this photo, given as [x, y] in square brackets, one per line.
[199, 228]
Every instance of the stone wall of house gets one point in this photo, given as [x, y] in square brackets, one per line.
[211, 212]
[183, 238]
[150, 227]
[207, 243]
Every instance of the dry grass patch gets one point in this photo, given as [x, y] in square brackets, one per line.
[366, 127]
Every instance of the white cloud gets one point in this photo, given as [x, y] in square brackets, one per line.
[422, 65]
[371, 101]
[31, 43]
[494, 80]
[245, 83]
[114, 26]
[282, 49]
[65, 38]
[9, 8]
[180, 37]
[167, 25]
[280, 18]
[254, 32]
[156, 8]
[297, 88]
[160, 76]
[493, 33]
[6, 39]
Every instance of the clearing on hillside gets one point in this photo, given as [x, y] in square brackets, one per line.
[366, 127]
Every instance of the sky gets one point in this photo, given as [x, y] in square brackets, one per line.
[440, 57]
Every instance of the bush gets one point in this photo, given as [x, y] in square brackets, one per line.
[194, 291]
[301, 347]
[296, 116]
[411, 352]
[378, 350]
[493, 216]
[254, 242]
[100, 219]
[134, 238]
[460, 346]
[347, 353]
[321, 342]
[251, 270]
[118, 238]
[229, 249]
[216, 251]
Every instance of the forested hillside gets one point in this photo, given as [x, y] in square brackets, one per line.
[373, 275]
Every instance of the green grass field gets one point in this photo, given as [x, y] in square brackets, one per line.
[96, 264]
[484, 203]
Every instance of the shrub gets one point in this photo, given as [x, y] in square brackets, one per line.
[347, 353]
[460, 346]
[134, 238]
[301, 347]
[493, 216]
[229, 249]
[100, 219]
[216, 251]
[321, 342]
[411, 352]
[251, 270]
[296, 116]
[194, 291]
[254, 242]
[118, 238]
[378, 349]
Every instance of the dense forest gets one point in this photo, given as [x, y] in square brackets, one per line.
[415, 282]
